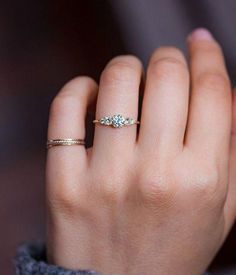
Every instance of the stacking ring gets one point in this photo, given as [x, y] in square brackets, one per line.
[116, 121]
[64, 142]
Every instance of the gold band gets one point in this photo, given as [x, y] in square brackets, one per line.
[64, 142]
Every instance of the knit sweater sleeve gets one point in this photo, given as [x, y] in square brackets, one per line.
[31, 260]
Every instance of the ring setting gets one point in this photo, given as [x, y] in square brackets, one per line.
[117, 121]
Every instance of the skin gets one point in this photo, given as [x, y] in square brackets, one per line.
[160, 201]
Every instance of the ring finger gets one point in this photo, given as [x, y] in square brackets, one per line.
[67, 120]
[118, 94]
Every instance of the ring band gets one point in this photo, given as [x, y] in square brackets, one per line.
[116, 121]
[64, 142]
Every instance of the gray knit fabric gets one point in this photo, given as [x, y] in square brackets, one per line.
[31, 260]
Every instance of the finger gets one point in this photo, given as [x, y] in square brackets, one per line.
[118, 94]
[67, 120]
[209, 121]
[165, 104]
[230, 205]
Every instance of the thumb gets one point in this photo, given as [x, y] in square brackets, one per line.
[230, 205]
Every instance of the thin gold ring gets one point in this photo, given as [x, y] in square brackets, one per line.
[64, 142]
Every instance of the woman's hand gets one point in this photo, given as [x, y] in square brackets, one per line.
[160, 201]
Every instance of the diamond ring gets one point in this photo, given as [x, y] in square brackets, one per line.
[116, 121]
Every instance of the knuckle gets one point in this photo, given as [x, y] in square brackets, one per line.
[77, 82]
[62, 103]
[72, 93]
[110, 193]
[120, 71]
[206, 47]
[64, 199]
[201, 181]
[168, 51]
[110, 189]
[62, 100]
[207, 182]
[156, 190]
[167, 67]
[213, 81]
[126, 59]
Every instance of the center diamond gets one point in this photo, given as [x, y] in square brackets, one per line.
[118, 121]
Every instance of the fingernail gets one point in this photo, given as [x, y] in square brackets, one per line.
[200, 34]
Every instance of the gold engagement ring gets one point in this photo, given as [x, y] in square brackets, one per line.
[117, 121]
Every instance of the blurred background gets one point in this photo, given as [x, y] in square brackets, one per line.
[43, 44]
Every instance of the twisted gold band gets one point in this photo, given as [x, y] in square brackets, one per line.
[64, 142]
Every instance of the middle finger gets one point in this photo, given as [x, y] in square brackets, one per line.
[165, 104]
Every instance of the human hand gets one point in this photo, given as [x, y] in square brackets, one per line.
[160, 201]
